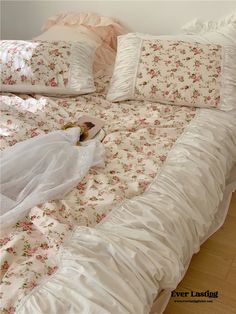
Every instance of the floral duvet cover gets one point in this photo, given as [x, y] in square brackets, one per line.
[139, 136]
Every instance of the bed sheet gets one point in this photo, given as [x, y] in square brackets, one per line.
[139, 136]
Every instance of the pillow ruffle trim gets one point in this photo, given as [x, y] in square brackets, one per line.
[197, 26]
[105, 27]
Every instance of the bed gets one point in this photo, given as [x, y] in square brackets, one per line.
[121, 240]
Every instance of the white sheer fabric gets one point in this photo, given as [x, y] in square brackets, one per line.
[43, 168]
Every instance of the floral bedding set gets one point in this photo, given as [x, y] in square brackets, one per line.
[139, 135]
[137, 220]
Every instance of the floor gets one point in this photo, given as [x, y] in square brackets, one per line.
[213, 269]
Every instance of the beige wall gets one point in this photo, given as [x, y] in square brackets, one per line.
[23, 19]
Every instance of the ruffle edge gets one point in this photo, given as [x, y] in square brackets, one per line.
[197, 26]
[92, 21]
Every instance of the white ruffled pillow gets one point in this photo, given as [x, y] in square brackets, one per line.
[222, 32]
[47, 67]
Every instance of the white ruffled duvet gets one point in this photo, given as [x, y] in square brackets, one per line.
[41, 169]
[144, 245]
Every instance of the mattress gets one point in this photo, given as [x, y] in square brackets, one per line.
[135, 222]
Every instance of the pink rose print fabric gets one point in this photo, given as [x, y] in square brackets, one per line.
[50, 67]
[139, 136]
[180, 73]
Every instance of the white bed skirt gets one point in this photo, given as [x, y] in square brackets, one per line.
[163, 298]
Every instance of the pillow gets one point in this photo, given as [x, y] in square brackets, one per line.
[104, 55]
[222, 31]
[47, 67]
[106, 28]
[66, 33]
[174, 72]
[101, 29]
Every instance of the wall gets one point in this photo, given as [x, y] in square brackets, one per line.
[24, 19]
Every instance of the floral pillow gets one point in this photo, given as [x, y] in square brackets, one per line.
[174, 72]
[47, 67]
